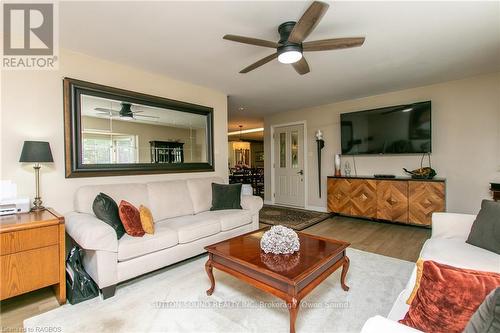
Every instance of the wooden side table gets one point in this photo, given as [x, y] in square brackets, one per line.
[32, 253]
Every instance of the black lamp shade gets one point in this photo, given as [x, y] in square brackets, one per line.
[36, 151]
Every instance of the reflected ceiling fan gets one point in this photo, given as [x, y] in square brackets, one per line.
[124, 112]
[290, 47]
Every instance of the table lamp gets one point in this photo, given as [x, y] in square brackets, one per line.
[36, 152]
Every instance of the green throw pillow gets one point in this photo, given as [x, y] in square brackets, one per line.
[106, 210]
[485, 231]
[226, 196]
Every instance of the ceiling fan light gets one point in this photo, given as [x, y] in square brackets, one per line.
[289, 57]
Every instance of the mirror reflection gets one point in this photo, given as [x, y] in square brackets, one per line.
[118, 132]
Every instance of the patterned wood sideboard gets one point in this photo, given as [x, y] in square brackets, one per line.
[403, 200]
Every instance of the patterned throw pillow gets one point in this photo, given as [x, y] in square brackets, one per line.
[131, 219]
[106, 210]
[147, 221]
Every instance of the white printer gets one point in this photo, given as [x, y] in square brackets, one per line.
[9, 203]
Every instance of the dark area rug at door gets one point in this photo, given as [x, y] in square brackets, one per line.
[297, 219]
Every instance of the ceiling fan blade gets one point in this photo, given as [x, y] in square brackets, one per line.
[144, 116]
[251, 41]
[333, 44]
[301, 66]
[308, 22]
[105, 110]
[259, 63]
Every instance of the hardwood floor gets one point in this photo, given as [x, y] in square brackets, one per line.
[398, 241]
[15, 310]
[388, 239]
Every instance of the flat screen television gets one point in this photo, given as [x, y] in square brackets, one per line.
[401, 129]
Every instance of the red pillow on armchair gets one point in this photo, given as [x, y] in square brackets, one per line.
[447, 297]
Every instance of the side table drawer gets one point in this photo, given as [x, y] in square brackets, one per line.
[29, 270]
[16, 241]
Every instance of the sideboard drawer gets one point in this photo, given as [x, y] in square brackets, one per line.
[23, 240]
[29, 270]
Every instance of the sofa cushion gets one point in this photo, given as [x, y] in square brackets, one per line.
[131, 219]
[485, 232]
[200, 190]
[131, 247]
[226, 196]
[106, 210]
[448, 296]
[169, 199]
[136, 194]
[230, 218]
[192, 227]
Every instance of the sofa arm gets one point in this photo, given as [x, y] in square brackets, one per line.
[90, 232]
[451, 225]
[252, 203]
[379, 324]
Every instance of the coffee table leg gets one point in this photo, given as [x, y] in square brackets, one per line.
[345, 268]
[208, 268]
[293, 308]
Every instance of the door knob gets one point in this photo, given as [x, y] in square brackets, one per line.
[301, 172]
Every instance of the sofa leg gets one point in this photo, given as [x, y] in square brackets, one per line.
[108, 292]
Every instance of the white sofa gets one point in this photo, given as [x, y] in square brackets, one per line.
[447, 245]
[184, 225]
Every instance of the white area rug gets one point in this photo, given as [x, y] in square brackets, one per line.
[174, 300]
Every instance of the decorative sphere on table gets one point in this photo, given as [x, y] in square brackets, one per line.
[280, 240]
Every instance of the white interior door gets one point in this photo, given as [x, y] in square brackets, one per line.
[289, 186]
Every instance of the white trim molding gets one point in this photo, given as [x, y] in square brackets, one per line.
[317, 209]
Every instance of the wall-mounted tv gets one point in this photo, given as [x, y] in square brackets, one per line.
[401, 129]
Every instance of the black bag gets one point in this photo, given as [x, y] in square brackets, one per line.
[79, 285]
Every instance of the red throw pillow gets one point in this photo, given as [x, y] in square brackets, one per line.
[131, 219]
[448, 297]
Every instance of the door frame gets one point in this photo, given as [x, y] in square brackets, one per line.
[303, 123]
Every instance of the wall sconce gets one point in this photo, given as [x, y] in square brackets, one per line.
[320, 143]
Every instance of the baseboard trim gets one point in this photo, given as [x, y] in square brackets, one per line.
[268, 202]
[317, 209]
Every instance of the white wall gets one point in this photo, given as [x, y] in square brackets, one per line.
[32, 109]
[465, 139]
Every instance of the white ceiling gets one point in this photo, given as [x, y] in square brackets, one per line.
[408, 44]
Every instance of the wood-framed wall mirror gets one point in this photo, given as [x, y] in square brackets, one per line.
[115, 132]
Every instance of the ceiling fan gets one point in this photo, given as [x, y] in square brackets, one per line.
[290, 47]
[124, 112]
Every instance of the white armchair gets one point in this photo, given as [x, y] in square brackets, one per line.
[446, 245]
[451, 225]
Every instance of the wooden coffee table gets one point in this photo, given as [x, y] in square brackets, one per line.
[289, 277]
